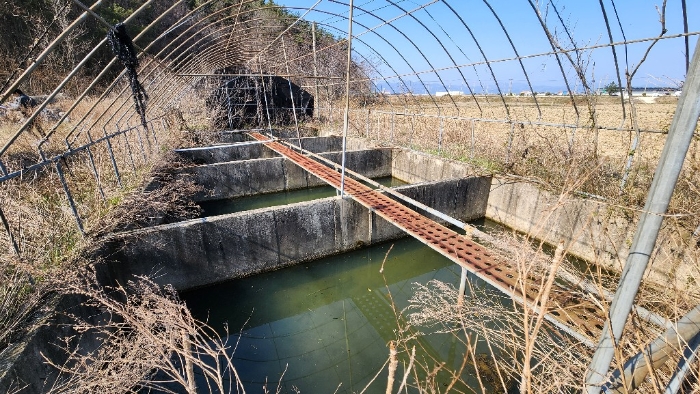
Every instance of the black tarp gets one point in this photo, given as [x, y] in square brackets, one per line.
[248, 101]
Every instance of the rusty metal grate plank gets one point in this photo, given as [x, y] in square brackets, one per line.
[584, 317]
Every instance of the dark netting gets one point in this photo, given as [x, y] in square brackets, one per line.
[123, 49]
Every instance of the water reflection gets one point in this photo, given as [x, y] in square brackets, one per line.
[324, 327]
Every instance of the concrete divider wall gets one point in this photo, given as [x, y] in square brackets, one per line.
[318, 144]
[588, 229]
[224, 153]
[464, 199]
[249, 177]
[372, 163]
[233, 136]
[206, 251]
[592, 231]
[415, 167]
[332, 143]
[254, 150]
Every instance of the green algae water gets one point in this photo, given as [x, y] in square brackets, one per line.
[240, 204]
[324, 327]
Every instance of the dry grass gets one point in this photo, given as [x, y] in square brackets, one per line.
[44, 227]
[496, 334]
[508, 346]
[539, 148]
[149, 341]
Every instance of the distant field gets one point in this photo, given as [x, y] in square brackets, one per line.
[418, 121]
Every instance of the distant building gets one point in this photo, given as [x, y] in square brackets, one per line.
[449, 93]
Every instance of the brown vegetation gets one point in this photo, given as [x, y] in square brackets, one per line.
[570, 147]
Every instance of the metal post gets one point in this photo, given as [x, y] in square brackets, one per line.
[462, 287]
[684, 366]
[267, 106]
[70, 198]
[413, 129]
[346, 118]
[630, 158]
[378, 128]
[153, 130]
[655, 354]
[128, 149]
[510, 142]
[143, 151]
[291, 93]
[665, 178]
[9, 232]
[114, 162]
[392, 126]
[94, 171]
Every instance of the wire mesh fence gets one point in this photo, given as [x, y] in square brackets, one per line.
[548, 91]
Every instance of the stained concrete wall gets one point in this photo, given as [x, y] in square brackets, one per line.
[319, 144]
[206, 251]
[249, 177]
[253, 150]
[414, 167]
[224, 153]
[464, 199]
[590, 229]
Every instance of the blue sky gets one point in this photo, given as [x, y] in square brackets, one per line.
[444, 35]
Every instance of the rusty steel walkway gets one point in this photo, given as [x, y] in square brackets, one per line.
[579, 318]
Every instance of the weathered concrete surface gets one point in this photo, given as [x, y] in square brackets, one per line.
[464, 199]
[587, 228]
[206, 251]
[249, 177]
[591, 230]
[319, 144]
[255, 150]
[217, 154]
[415, 167]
